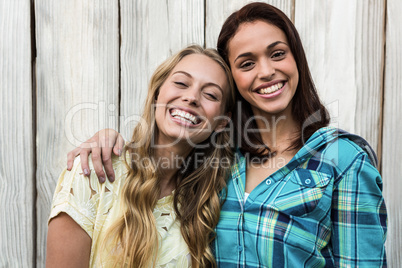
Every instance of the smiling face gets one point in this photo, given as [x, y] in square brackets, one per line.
[191, 100]
[263, 68]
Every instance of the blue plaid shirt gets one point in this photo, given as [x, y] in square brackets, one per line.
[323, 209]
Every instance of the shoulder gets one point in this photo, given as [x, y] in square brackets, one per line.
[348, 147]
[348, 160]
[340, 149]
[85, 198]
[118, 164]
[74, 185]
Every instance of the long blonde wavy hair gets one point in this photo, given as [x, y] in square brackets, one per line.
[196, 197]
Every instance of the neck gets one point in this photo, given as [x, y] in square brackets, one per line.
[169, 159]
[278, 131]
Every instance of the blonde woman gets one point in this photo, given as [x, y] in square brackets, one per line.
[164, 205]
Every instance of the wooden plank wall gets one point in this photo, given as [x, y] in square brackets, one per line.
[344, 47]
[17, 164]
[150, 32]
[77, 87]
[392, 145]
[93, 61]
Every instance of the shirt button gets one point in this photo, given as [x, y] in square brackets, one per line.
[268, 182]
[307, 181]
[239, 248]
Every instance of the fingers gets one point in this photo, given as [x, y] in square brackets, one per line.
[101, 145]
[107, 163]
[84, 150]
[70, 158]
[118, 147]
[107, 141]
[97, 163]
[84, 162]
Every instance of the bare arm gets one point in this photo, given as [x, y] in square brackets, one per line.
[101, 145]
[68, 245]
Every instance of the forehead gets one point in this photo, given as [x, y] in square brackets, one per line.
[203, 69]
[252, 35]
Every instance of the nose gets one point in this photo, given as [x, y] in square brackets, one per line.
[191, 96]
[266, 70]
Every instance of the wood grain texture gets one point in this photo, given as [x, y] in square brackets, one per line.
[77, 87]
[392, 146]
[150, 32]
[78, 75]
[343, 41]
[218, 11]
[16, 136]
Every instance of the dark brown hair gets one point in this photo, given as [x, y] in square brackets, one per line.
[307, 108]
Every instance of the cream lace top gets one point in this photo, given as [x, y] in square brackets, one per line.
[95, 206]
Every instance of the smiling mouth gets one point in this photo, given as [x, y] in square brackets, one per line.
[184, 116]
[271, 89]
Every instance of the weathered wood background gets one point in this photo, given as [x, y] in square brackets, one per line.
[70, 67]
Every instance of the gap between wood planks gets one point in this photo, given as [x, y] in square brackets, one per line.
[382, 94]
[34, 128]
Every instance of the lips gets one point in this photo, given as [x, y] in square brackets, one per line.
[185, 116]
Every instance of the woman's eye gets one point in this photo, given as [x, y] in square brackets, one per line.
[181, 84]
[247, 64]
[211, 96]
[278, 54]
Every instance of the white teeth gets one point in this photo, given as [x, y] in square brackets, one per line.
[184, 116]
[271, 89]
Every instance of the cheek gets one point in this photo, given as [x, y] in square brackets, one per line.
[160, 105]
[158, 113]
[292, 69]
[214, 111]
[242, 81]
[295, 77]
[166, 93]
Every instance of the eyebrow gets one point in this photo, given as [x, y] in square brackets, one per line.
[247, 54]
[207, 84]
[183, 72]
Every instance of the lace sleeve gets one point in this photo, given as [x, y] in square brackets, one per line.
[77, 196]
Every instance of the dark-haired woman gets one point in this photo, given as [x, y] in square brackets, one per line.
[301, 194]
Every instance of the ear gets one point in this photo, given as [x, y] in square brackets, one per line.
[223, 122]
